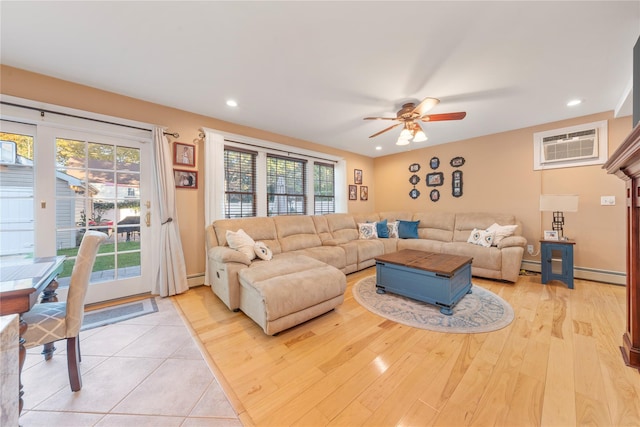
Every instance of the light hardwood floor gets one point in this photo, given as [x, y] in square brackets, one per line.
[557, 364]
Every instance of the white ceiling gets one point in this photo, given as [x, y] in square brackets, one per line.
[314, 70]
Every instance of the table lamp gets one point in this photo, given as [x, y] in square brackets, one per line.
[559, 203]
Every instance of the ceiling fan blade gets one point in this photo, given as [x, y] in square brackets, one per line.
[445, 116]
[380, 118]
[384, 130]
[425, 105]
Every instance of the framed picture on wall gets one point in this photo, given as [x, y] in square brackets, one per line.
[357, 176]
[185, 178]
[184, 154]
[353, 192]
[364, 192]
[435, 179]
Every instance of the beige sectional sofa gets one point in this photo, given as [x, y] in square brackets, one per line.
[299, 242]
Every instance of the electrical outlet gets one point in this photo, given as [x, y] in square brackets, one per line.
[530, 249]
[608, 200]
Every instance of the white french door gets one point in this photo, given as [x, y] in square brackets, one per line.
[81, 180]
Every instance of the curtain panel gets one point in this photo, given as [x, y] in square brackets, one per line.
[169, 269]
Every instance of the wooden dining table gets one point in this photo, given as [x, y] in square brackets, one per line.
[22, 282]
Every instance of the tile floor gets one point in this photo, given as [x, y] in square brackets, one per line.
[147, 371]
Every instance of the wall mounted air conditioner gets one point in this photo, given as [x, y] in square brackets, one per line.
[580, 145]
[570, 146]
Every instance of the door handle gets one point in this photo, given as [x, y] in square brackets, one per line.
[147, 217]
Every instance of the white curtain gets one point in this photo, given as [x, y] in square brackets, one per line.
[213, 182]
[170, 272]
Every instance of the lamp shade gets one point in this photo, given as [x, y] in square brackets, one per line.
[559, 202]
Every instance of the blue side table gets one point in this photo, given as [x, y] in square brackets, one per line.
[556, 258]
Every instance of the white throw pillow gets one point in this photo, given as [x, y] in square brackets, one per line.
[262, 251]
[368, 230]
[241, 241]
[393, 229]
[481, 237]
[501, 231]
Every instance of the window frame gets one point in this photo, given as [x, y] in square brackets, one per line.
[227, 193]
[216, 141]
[319, 198]
[287, 195]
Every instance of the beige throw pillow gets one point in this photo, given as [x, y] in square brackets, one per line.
[241, 241]
[501, 231]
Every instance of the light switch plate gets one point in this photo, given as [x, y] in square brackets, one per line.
[608, 200]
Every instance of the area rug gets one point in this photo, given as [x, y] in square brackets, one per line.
[118, 313]
[479, 311]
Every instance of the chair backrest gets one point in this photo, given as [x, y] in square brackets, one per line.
[80, 280]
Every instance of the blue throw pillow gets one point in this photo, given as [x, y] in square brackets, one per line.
[408, 229]
[383, 231]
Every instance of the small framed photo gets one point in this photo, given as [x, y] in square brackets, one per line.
[357, 176]
[353, 192]
[550, 235]
[434, 163]
[364, 192]
[185, 178]
[184, 154]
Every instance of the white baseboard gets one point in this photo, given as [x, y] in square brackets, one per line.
[195, 280]
[606, 276]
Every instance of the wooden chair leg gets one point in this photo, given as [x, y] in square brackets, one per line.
[73, 363]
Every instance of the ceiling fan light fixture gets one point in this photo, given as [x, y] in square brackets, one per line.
[406, 134]
[402, 141]
[420, 136]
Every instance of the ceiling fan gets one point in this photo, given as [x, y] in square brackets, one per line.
[409, 117]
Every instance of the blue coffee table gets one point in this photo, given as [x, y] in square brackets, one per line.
[438, 279]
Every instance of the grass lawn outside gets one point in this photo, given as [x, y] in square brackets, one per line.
[107, 261]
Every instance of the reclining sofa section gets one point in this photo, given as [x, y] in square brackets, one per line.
[329, 246]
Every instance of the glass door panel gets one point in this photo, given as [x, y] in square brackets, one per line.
[100, 190]
[16, 191]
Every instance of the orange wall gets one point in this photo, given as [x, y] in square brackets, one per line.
[498, 176]
[27, 85]
[498, 172]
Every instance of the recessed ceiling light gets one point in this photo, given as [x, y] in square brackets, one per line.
[232, 103]
[574, 102]
[378, 148]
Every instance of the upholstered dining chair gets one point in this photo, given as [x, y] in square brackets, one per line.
[54, 321]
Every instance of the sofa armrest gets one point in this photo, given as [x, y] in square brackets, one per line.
[334, 242]
[225, 254]
[512, 241]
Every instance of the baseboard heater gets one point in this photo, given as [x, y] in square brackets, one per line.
[195, 279]
[606, 276]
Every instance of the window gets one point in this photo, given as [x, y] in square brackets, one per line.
[323, 189]
[286, 185]
[239, 183]
[274, 180]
